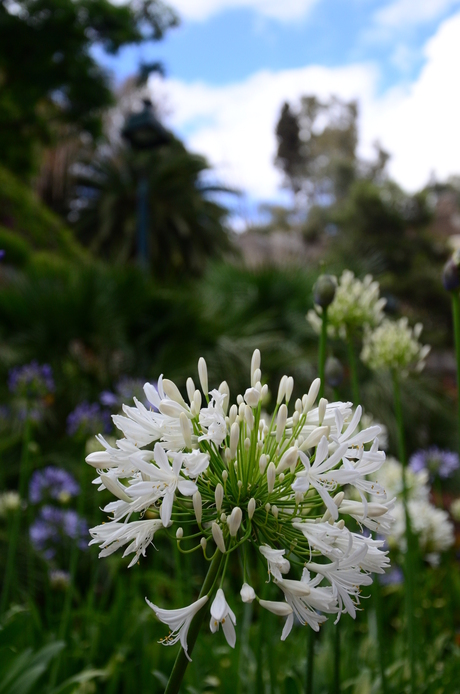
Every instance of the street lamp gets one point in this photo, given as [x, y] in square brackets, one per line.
[144, 132]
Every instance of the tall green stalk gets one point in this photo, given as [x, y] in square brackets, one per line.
[180, 666]
[336, 687]
[322, 350]
[456, 321]
[16, 524]
[409, 558]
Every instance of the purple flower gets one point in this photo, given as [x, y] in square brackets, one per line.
[88, 419]
[53, 526]
[392, 578]
[436, 461]
[32, 381]
[125, 390]
[52, 482]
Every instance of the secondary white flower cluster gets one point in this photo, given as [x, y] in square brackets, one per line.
[394, 345]
[356, 304]
[432, 526]
[213, 475]
[9, 502]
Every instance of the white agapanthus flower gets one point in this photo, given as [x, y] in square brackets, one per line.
[357, 303]
[217, 476]
[394, 345]
[432, 526]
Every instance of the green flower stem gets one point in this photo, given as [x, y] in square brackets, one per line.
[380, 632]
[409, 558]
[180, 666]
[311, 638]
[336, 687]
[16, 524]
[322, 350]
[353, 364]
[456, 320]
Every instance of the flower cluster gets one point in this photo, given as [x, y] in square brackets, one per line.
[431, 525]
[124, 391]
[9, 503]
[53, 526]
[394, 345]
[356, 304]
[211, 474]
[436, 461]
[52, 483]
[87, 419]
[32, 381]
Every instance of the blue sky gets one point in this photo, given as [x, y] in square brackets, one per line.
[231, 64]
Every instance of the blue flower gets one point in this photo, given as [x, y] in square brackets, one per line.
[31, 381]
[52, 482]
[436, 461]
[53, 526]
[88, 419]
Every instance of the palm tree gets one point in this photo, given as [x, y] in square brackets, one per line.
[186, 227]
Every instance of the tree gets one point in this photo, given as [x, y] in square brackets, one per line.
[317, 148]
[48, 75]
[185, 225]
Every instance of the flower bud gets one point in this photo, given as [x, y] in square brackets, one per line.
[263, 460]
[234, 521]
[249, 417]
[271, 474]
[203, 375]
[281, 422]
[218, 537]
[180, 533]
[203, 543]
[190, 389]
[224, 476]
[333, 372]
[225, 390]
[289, 388]
[288, 459]
[234, 438]
[324, 290]
[172, 391]
[275, 511]
[186, 429]
[251, 507]
[281, 390]
[255, 363]
[247, 593]
[219, 496]
[309, 400]
[322, 410]
[281, 609]
[197, 506]
[197, 399]
[232, 414]
[252, 397]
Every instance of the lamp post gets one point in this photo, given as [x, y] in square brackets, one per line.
[144, 132]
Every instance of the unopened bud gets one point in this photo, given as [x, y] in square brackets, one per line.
[197, 506]
[264, 391]
[219, 496]
[255, 364]
[251, 507]
[324, 290]
[186, 429]
[281, 390]
[234, 438]
[289, 388]
[234, 521]
[289, 458]
[281, 422]
[223, 517]
[309, 400]
[218, 537]
[271, 474]
[190, 389]
[228, 455]
[224, 476]
[232, 414]
[275, 511]
[239, 399]
[263, 460]
[249, 417]
[179, 533]
[197, 399]
[247, 593]
[225, 390]
[252, 397]
[203, 543]
[322, 410]
[203, 375]
[173, 392]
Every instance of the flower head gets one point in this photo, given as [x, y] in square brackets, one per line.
[435, 461]
[88, 419]
[216, 475]
[394, 345]
[52, 483]
[356, 304]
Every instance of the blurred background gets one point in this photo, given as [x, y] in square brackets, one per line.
[173, 179]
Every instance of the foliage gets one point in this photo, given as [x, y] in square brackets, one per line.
[26, 224]
[185, 224]
[48, 74]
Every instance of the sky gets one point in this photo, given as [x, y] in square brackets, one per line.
[232, 63]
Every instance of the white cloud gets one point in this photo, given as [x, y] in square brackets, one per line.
[284, 10]
[234, 125]
[400, 13]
